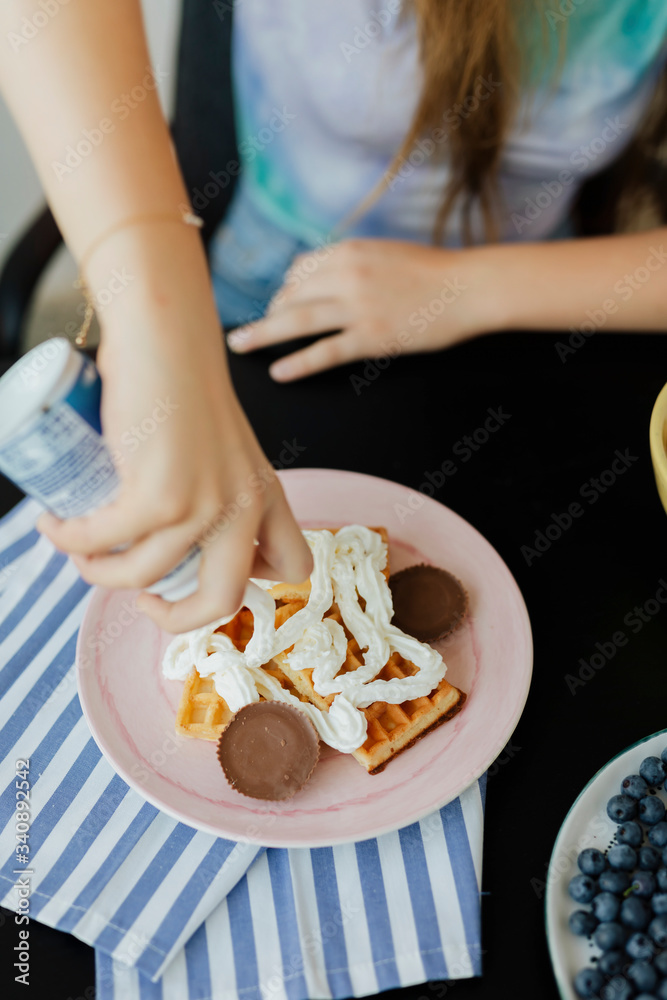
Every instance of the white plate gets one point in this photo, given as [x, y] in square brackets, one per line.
[586, 825]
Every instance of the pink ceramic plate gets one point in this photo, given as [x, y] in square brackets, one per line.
[130, 707]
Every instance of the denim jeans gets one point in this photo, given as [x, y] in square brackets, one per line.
[249, 258]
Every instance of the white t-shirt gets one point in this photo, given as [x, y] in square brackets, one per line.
[325, 92]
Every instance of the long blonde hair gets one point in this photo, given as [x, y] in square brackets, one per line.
[513, 44]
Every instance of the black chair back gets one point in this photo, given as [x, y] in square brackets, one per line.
[203, 126]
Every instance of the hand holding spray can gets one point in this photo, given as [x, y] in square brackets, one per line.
[51, 442]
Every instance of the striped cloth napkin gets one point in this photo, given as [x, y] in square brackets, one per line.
[176, 914]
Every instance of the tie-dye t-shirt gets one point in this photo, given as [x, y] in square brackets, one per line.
[325, 91]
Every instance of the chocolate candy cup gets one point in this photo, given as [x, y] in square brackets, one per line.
[269, 750]
[429, 603]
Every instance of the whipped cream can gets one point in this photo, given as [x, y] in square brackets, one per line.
[51, 442]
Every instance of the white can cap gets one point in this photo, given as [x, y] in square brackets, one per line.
[38, 379]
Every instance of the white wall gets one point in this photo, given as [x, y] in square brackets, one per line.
[20, 191]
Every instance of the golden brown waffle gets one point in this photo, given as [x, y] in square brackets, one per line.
[202, 713]
[391, 728]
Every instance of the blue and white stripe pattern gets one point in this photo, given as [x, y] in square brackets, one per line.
[175, 914]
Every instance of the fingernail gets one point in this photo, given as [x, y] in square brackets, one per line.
[282, 370]
[144, 601]
[238, 339]
[46, 521]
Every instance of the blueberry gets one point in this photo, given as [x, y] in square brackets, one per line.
[588, 983]
[592, 862]
[658, 930]
[621, 808]
[649, 858]
[643, 884]
[659, 903]
[651, 810]
[606, 906]
[634, 786]
[660, 963]
[582, 923]
[622, 857]
[634, 913]
[661, 992]
[653, 771]
[582, 888]
[646, 996]
[617, 988]
[657, 835]
[609, 936]
[612, 962]
[640, 946]
[664, 857]
[661, 879]
[643, 975]
[616, 882]
[663, 756]
[630, 833]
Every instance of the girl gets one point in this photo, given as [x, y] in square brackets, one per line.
[366, 132]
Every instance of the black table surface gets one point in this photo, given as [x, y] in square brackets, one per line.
[564, 421]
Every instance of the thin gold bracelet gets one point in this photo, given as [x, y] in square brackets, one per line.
[187, 217]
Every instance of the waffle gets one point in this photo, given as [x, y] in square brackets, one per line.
[202, 713]
[391, 728]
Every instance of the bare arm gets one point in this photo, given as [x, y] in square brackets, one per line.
[78, 71]
[620, 280]
[85, 81]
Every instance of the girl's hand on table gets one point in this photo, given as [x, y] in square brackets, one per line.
[190, 466]
[379, 297]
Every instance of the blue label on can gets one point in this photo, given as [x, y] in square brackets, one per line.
[60, 457]
[85, 395]
[61, 461]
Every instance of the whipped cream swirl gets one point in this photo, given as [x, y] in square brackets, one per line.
[347, 569]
